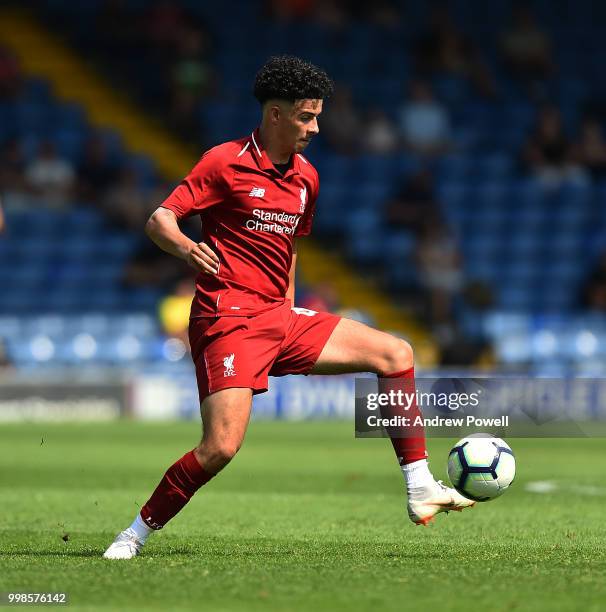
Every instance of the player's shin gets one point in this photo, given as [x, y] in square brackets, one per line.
[408, 439]
[177, 487]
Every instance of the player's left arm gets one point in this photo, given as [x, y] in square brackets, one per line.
[290, 292]
[303, 229]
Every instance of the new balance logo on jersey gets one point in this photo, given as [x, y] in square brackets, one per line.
[257, 192]
[228, 363]
[303, 194]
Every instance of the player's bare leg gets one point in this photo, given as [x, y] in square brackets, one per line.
[355, 347]
[225, 417]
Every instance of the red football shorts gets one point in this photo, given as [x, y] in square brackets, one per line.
[244, 351]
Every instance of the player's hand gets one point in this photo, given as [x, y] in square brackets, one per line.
[202, 258]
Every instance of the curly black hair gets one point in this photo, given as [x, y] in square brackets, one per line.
[285, 77]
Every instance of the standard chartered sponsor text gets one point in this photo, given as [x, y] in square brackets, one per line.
[279, 222]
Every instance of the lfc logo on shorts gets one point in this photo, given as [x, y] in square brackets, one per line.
[228, 363]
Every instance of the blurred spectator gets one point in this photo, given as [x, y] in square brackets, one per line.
[173, 311]
[50, 176]
[383, 13]
[192, 80]
[357, 315]
[526, 48]
[477, 298]
[458, 349]
[184, 115]
[443, 50]
[414, 205]
[2, 221]
[5, 363]
[287, 11]
[590, 150]
[321, 297]
[439, 270]
[12, 167]
[424, 122]
[380, 134]
[164, 23]
[191, 70]
[96, 171]
[548, 153]
[10, 74]
[593, 295]
[118, 31]
[341, 123]
[151, 267]
[332, 14]
[126, 204]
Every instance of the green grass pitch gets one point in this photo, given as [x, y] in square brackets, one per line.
[305, 518]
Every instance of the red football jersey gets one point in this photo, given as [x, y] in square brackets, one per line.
[250, 215]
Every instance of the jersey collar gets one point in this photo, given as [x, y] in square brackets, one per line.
[265, 163]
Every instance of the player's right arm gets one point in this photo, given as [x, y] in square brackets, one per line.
[163, 228]
[206, 185]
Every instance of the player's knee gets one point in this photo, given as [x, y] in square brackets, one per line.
[398, 356]
[224, 452]
[215, 455]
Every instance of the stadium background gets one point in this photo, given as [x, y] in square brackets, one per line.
[445, 215]
[463, 176]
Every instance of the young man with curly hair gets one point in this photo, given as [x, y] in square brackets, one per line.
[256, 197]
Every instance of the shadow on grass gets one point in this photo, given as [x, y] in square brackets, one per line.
[51, 553]
[261, 548]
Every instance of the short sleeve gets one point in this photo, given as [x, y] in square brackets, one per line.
[304, 226]
[206, 185]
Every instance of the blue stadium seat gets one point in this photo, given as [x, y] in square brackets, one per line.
[365, 239]
[33, 351]
[69, 141]
[95, 323]
[10, 326]
[37, 91]
[140, 325]
[493, 167]
[454, 168]
[514, 349]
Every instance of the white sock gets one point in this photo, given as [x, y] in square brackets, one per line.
[418, 477]
[141, 530]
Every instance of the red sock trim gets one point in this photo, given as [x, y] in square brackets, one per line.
[196, 472]
[403, 374]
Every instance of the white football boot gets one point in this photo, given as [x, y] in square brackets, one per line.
[439, 498]
[125, 546]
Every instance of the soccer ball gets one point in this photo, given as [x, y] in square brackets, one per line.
[481, 467]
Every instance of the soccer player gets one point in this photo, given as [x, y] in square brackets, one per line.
[256, 197]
